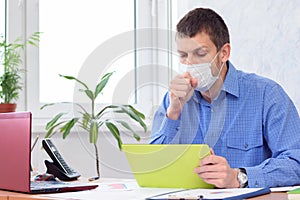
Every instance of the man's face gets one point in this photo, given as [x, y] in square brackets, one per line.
[196, 50]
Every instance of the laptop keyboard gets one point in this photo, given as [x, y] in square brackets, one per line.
[45, 184]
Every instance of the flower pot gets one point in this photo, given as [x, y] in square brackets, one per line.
[7, 107]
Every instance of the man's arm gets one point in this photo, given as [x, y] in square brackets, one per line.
[167, 117]
[163, 128]
[282, 134]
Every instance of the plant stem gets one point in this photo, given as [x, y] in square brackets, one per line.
[93, 108]
[97, 160]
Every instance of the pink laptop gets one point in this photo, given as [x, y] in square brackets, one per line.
[15, 158]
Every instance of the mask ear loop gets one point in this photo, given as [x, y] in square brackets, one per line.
[220, 70]
[221, 65]
[218, 75]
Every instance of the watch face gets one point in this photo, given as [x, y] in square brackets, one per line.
[242, 178]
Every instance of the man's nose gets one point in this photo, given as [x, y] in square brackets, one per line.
[190, 59]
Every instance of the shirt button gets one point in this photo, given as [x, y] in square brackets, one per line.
[246, 146]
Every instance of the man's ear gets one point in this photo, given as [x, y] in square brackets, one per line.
[225, 52]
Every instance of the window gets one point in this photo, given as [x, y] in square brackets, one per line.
[2, 17]
[85, 39]
[143, 70]
[2, 22]
[72, 33]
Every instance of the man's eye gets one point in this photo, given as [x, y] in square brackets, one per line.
[183, 55]
[200, 54]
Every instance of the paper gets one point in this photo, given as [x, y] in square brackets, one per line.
[118, 186]
[208, 193]
[112, 190]
[284, 189]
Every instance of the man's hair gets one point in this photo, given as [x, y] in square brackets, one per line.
[204, 20]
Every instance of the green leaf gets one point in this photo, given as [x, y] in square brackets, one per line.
[82, 108]
[102, 83]
[77, 80]
[94, 132]
[66, 129]
[90, 94]
[126, 125]
[32, 43]
[46, 105]
[105, 108]
[115, 132]
[54, 120]
[85, 120]
[36, 37]
[51, 131]
[133, 115]
[51, 104]
[141, 115]
[137, 137]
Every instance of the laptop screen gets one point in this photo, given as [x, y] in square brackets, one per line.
[15, 139]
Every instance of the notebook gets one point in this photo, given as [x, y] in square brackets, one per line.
[166, 166]
[15, 157]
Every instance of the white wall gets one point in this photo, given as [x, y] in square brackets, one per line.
[265, 37]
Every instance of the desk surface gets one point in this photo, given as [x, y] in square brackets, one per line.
[113, 189]
[17, 196]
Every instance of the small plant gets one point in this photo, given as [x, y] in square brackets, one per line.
[92, 121]
[10, 59]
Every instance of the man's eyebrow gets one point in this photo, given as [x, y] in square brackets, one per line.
[200, 48]
[204, 48]
[179, 51]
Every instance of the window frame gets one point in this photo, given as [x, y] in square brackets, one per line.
[23, 21]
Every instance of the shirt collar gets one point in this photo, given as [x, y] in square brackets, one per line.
[230, 84]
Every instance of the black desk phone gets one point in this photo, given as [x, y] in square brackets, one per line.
[58, 167]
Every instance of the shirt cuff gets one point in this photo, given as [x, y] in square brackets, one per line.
[170, 128]
[255, 177]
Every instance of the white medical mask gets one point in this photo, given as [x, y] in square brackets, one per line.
[202, 72]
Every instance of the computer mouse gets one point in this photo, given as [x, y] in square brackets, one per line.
[44, 177]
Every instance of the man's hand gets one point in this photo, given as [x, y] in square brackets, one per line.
[216, 170]
[181, 90]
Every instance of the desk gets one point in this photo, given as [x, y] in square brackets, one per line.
[272, 196]
[5, 195]
[17, 196]
[103, 192]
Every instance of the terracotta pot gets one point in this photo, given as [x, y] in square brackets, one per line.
[7, 107]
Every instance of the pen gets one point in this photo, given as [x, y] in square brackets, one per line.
[171, 196]
[174, 197]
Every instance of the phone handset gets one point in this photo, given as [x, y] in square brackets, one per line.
[58, 167]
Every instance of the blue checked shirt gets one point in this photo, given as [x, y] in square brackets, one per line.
[260, 131]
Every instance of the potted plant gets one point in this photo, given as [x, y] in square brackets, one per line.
[10, 79]
[91, 121]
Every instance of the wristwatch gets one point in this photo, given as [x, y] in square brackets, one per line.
[242, 177]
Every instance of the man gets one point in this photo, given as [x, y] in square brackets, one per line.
[249, 121]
